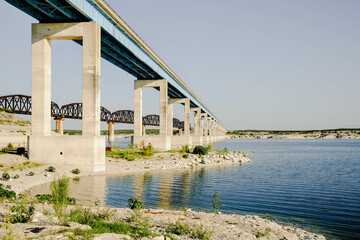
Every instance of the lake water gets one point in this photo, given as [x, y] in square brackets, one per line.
[313, 184]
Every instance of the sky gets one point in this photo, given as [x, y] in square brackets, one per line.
[256, 64]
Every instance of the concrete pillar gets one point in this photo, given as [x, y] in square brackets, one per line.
[91, 80]
[197, 136]
[60, 125]
[159, 142]
[65, 149]
[143, 130]
[111, 134]
[170, 116]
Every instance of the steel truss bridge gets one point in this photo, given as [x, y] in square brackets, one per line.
[21, 104]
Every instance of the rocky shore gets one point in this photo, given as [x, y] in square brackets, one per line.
[45, 225]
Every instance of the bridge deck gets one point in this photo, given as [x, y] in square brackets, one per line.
[120, 45]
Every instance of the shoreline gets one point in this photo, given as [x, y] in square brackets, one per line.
[114, 167]
[223, 226]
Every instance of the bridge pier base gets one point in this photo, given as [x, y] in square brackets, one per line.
[87, 151]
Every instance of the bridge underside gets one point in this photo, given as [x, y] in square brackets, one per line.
[54, 11]
[100, 37]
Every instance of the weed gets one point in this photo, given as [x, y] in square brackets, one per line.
[216, 201]
[131, 154]
[60, 193]
[10, 146]
[50, 169]
[194, 231]
[209, 148]
[16, 176]
[185, 149]
[134, 204]
[5, 176]
[6, 194]
[99, 226]
[31, 174]
[76, 179]
[8, 186]
[186, 156]
[22, 211]
[75, 171]
[264, 234]
[202, 161]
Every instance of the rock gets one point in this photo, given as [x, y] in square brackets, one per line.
[75, 225]
[112, 236]
[39, 217]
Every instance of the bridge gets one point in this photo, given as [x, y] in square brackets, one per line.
[21, 104]
[103, 34]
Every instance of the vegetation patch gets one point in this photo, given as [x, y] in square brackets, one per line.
[50, 169]
[200, 150]
[21, 166]
[131, 154]
[75, 171]
[48, 198]
[193, 231]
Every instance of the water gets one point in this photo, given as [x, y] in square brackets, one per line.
[313, 184]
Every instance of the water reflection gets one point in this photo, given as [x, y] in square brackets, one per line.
[86, 190]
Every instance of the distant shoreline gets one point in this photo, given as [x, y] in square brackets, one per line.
[343, 133]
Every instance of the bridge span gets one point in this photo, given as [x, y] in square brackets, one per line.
[102, 33]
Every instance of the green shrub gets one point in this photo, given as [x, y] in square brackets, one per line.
[5, 176]
[75, 171]
[48, 198]
[50, 169]
[31, 174]
[200, 150]
[6, 194]
[185, 156]
[16, 176]
[134, 204]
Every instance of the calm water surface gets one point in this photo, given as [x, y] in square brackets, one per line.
[313, 184]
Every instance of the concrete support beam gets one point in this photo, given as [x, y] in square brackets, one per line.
[60, 125]
[66, 149]
[197, 136]
[162, 141]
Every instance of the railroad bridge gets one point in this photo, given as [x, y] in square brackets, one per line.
[102, 33]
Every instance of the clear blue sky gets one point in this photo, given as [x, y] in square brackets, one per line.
[256, 64]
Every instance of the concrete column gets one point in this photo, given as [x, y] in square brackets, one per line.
[40, 83]
[91, 80]
[143, 130]
[170, 116]
[60, 125]
[138, 118]
[197, 120]
[111, 134]
[161, 141]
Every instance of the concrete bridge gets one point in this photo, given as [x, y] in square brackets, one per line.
[102, 33]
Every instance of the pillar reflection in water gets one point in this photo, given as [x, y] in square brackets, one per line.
[141, 182]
